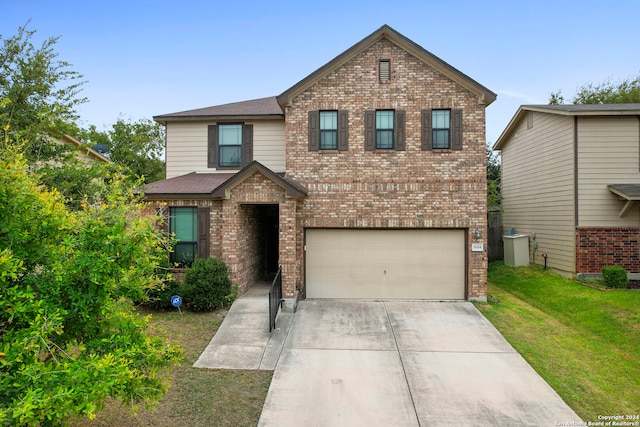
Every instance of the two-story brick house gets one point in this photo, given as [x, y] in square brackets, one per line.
[366, 179]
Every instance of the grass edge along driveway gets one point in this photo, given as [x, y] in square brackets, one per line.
[584, 342]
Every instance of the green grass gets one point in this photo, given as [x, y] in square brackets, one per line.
[197, 397]
[583, 341]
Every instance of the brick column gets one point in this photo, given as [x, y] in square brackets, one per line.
[287, 247]
[478, 262]
[230, 229]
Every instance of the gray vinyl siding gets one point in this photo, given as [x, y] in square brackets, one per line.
[186, 149]
[538, 187]
[608, 153]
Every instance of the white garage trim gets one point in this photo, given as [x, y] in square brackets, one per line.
[385, 264]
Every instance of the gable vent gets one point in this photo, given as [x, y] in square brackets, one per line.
[385, 70]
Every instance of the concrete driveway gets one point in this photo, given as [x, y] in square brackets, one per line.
[404, 363]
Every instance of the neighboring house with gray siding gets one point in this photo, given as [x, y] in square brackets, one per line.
[571, 177]
[366, 179]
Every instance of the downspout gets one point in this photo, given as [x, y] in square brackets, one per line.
[575, 171]
[575, 196]
[165, 149]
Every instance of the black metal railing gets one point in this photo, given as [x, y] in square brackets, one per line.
[275, 299]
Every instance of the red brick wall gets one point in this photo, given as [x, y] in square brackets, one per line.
[391, 189]
[237, 236]
[598, 247]
[236, 233]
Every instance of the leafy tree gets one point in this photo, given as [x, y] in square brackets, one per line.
[39, 93]
[494, 196]
[137, 145]
[608, 92]
[69, 336]
[556, 98]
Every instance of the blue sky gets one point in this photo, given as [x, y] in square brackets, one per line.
[145, 58]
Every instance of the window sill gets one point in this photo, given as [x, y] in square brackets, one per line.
[227, 168]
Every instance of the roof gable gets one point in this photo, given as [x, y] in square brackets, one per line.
[566, 110]
[83, 148]
[485, 96]
[291, 188]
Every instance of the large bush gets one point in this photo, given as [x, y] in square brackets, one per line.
[69, 336]
[206, 284]
[615, 277]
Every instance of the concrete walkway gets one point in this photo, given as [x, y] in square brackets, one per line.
[393, 363]
[243, 340]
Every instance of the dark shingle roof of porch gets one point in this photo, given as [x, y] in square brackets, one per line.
[214, 185]
[193, 184]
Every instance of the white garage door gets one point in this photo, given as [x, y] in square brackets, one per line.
[385, 264]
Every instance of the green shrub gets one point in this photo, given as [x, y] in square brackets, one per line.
[206, 284]
[233, 295]
[615, 277]
[160, 298]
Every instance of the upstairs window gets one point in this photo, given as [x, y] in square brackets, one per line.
[384, 70]
[328, 130]
[384, 129]
[230, 145]
[441, 128]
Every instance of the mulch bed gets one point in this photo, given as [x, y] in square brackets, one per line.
[634, 284]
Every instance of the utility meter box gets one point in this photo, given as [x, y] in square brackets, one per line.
[516, 249]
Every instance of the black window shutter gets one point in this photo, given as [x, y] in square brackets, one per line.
[212, 146]
[369, 130]
[400, 118]
[247, 144]
[456, 129]
[314, 130]
[203, 232]
[427, 133]
[343, 130]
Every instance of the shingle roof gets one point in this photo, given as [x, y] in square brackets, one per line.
[567, 110]
[626, 191]
[214, 185]
[194, 184]
[578, 109]
[255, 108]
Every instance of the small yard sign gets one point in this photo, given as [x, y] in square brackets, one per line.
[176, 301]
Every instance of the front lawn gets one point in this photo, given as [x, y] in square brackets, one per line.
[584, 342]
[197, 397]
